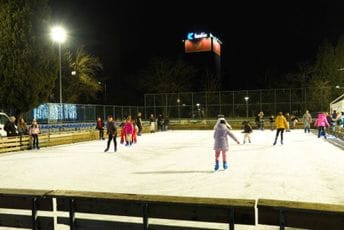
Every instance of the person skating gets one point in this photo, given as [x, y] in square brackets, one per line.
[307, 119]
[111, 130]
[152, 123]
[139, 123]
[221, 143]
[281, 124]
[321, 122]
[128, 130]
[247, 131]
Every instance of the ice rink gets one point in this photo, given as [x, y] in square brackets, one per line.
[181, 163]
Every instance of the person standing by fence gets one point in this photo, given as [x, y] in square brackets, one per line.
[100, 127]
[11, 128]
[22, 129]
[111, 130]
[34, 131]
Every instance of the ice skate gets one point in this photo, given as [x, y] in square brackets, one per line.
[225, 165]
[216, 165]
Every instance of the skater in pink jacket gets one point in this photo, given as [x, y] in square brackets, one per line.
[321, 122]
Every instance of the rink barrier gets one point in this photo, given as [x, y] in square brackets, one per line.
[300, 214]
[231, 211]
[13, 200]
[10, 144]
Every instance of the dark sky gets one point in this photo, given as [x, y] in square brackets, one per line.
[257, 36]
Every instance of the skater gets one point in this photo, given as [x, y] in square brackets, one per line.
[128, 130]
[152, 123]
[100, 127]
[111, 130]
[272, 122]
[261, 120]
[307, 119]
[247, 131]
[139, 123]
[281, 124]
[221, 117]
[221, 143]
[34, 131]
[287, 117]
[321, 122]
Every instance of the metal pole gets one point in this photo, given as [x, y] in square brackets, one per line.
[60, 77]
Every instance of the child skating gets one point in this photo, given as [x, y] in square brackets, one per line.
[221, 142]
[247, 131]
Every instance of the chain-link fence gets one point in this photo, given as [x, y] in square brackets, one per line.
[231, 103]
[194, 105]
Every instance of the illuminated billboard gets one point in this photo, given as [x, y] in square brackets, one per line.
[216, 47]
[198, 45]
[202, 42]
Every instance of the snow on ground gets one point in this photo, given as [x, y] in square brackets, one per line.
[305, 168]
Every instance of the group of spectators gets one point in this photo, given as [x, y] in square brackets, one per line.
[21, 128]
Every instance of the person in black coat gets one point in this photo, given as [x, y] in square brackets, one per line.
[112, 133]
[139, 123]
[10, 127]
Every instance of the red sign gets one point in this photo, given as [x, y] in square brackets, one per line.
[216, 47]
[198, 45]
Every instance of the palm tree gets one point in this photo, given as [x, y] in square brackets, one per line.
[82, 85]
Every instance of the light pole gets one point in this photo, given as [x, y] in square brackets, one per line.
[246, 100]
[178, 102]
[58, 34]
[103, 83]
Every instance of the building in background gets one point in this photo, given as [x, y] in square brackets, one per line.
[203, 50]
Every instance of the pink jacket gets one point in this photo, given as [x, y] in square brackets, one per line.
[321, 121]
[128, 128]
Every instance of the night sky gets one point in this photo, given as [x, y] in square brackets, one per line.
[259, 37]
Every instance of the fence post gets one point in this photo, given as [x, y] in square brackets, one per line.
[290, 101]
[275, 102]
[34, 213]
[154, 106]
[71, 214]
[231, 219]
[260, 100]
[233, 104]
[165, 104]
[192, 104]
[145, 216]
[281, 220]
[206, 106]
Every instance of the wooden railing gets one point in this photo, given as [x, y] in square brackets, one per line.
[10, 144]
[300, 214]
[231, 211]
[217, 210]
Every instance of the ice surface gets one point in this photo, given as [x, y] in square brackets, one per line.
[181, 163]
